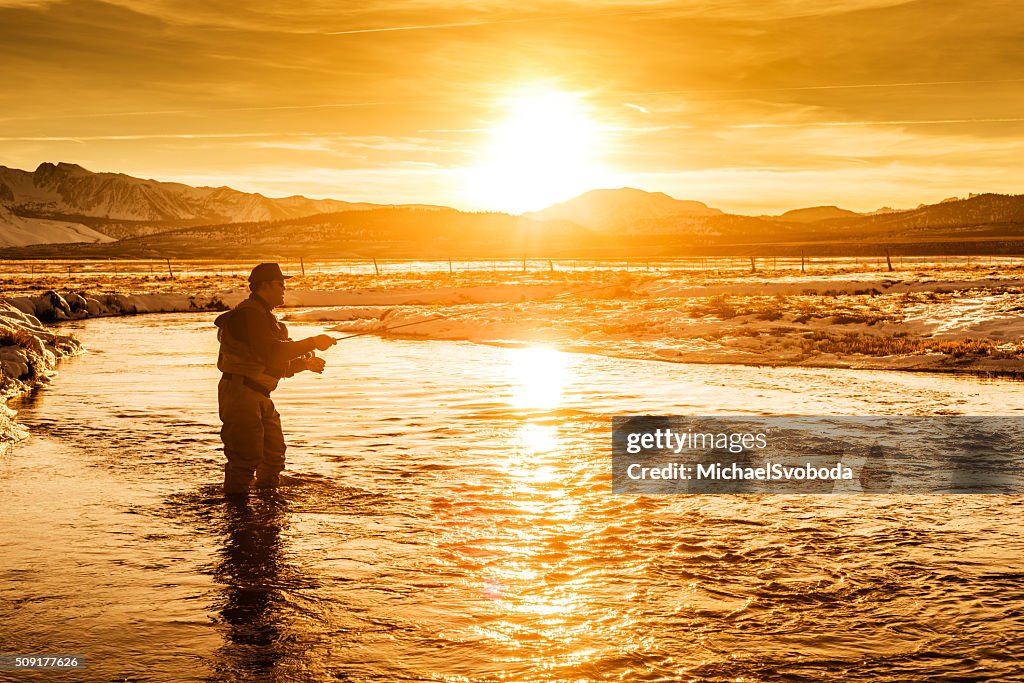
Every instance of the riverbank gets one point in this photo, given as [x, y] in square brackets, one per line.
[935, 319]
[29, 353]
[966, 324]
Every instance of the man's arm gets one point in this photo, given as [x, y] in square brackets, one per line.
[266, 338]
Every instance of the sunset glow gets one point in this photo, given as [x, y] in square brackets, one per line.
[543, 151]
[747, 106]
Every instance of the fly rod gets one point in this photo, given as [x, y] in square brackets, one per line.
[388, 329]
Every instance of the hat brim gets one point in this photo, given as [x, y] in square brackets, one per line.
[271, 279]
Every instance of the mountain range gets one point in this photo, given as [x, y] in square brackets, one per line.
[112, 214]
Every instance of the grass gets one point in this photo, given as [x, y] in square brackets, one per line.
[843, 310]
[902, 345]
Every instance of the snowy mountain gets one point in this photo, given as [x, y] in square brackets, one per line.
[16, 231]
[65, 203]
[64, 190]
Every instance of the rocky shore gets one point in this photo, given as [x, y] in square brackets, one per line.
[30, 351]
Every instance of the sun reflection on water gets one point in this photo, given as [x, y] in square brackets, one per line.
[538, 376]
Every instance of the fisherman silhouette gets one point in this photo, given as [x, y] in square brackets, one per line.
[255, 353]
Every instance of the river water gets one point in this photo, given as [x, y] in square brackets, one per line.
[451, 519]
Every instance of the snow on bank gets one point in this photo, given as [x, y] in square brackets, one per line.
[28, 356]
[55, 307]
[438, 296]
[29, 352]
[964, 326]
[879, 321]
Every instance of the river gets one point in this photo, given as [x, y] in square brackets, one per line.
[451, 519]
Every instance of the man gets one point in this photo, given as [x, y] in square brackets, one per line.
[255, 353]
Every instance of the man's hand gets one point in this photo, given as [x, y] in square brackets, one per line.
[324, 342]
[316, 364]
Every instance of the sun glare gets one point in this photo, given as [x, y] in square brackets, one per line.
[544, 150]
[538, 377]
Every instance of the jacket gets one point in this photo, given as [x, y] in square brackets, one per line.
[255, 344]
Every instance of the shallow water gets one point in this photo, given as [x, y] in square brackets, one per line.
[451, 519]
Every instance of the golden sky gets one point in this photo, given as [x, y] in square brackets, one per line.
[751, 106]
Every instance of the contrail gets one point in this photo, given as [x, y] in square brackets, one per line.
[897, 122]
[490, 22]
[855, 86]
[208, 136]
[163, 136]
[336, 105]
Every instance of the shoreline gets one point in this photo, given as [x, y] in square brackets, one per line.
[963, 323]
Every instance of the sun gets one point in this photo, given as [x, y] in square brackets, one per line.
[545, 149]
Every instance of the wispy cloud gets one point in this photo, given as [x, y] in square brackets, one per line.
[498, 22]
[844, 86]
[896, 122]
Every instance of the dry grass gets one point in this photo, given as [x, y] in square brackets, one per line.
[902, 345]
[842, 310]
[15, 336]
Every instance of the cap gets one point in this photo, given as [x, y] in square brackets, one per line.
[267, 272]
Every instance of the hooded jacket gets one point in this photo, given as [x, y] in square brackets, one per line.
[255, 344]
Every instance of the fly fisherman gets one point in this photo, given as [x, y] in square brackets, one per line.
[255, 353]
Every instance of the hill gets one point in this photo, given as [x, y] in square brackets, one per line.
[816, 213]
[16, 231]
[110, 214]
[613, 210]
[69, 190]
[398, 232]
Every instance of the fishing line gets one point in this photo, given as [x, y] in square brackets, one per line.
[388, 329]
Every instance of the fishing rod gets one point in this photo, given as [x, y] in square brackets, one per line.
[388, 329]
[442, 317]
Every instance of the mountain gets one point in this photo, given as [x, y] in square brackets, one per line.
[816, 213]
[397, 232]
[68, 190]
[617, 210]
[16, 231]
[112, 214]
[950, 215]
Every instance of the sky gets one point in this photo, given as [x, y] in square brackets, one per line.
[751, 106]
